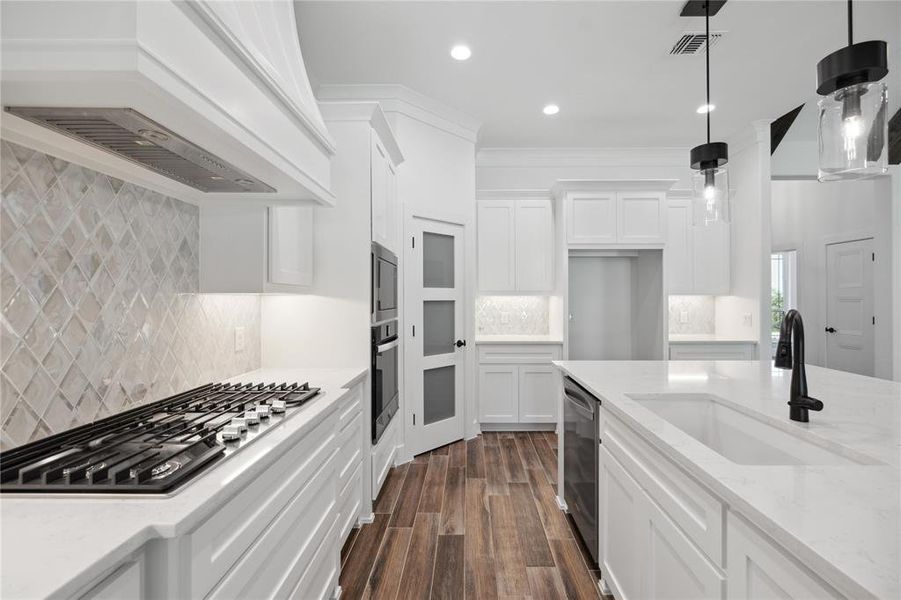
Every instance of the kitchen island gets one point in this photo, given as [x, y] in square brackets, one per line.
[818, 517]
[215, 534]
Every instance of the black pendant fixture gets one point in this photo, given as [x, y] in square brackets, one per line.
[710, 182]
[852, 124]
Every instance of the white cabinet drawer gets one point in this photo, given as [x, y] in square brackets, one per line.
[760, 570]
[383, 455]
[698, 512]
[350, 449]
[278, 559]
[125, 583]
[518, 353]
[713, 351]
[221, 540]
[350, 405]
[350, 500]
[321, 577]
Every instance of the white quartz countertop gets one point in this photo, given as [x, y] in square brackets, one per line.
[706, 338]
[844, 522]
[518, 339]
[56, 545]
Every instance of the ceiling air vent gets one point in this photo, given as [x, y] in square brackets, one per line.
[692, 42]
[132, 136]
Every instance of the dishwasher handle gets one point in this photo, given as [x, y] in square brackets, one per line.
[579, 396]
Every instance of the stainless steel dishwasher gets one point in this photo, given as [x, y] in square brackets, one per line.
[581, 418]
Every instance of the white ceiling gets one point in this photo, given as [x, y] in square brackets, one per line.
[606, 64]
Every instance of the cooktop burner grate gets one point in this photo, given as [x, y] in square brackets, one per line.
[155, 448]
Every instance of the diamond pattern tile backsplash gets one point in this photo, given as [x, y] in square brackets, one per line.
[100, 310]
[512, 315]
[692, 314]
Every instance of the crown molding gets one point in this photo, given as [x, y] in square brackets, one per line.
[581, 157]
[512, 194]
[398, 98]
[564, 186]
[365, 112]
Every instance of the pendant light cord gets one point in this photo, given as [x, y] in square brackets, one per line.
[707, 56]
[850, 24]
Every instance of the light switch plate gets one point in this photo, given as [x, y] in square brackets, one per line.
[683, 316]
[239, 339]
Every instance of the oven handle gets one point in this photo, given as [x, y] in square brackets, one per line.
[385, 347]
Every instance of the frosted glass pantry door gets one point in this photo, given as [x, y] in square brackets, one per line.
[436, 349]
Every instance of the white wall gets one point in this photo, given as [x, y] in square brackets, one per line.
[806, 216]
[749, 180]
[896, 269]
[437, 180]
[329, 328]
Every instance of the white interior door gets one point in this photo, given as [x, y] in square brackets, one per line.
[849, 307]
[435, 372]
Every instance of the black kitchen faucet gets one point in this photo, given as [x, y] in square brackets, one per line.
[792, 334]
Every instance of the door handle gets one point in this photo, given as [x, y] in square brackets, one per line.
[830, 330]
[460, 343]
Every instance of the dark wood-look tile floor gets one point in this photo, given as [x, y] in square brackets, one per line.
[475, 519]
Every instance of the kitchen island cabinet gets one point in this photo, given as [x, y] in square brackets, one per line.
[811, 518]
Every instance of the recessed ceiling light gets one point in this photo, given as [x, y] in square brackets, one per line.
[706, 108]
[461, 52]
[551, 109]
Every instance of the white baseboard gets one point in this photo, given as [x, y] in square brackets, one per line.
[561, 504]
[518, 426]
[604, 588]
[365, 520]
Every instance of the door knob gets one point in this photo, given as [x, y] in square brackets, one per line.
[460, 343]
[830, 330]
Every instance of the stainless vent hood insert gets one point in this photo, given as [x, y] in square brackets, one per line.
[138, 139]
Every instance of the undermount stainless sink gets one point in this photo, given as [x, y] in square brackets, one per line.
[742, 438]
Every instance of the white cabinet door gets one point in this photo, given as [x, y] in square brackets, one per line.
[619, 522]
[291, 245]
[534, 242]
[125, 583]
[496, 250]
[498, 394]
[673, 567]
[591, 218]
[711, 252]
[640, 217]
[538, 394]
[678, 251]
[378, 169]
[758, 570]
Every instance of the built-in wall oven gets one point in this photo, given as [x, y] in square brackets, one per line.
[384, 284]
[581, 435]
[385, 357]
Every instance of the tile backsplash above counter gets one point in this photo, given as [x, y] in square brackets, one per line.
[100, 310]
[512, 315]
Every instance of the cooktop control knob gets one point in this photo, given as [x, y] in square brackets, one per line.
[230, 433]
[263, 411]
[277, 406]
[251, 417]
[240, 423]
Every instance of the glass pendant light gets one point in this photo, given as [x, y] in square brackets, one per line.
[852, 125]
[710, 181]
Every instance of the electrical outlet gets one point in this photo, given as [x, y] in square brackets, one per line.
[683, 316]
[239, 339]
[505, 318]
[747, 320]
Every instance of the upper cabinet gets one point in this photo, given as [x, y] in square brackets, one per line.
[385, 205]
[613, 212]
[515, 242]
[256, 249]
[696, 258]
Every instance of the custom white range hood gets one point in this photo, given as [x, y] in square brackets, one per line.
[219, 106]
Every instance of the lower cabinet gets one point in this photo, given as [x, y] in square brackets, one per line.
[760, 569]
[124, 583]
[518, 385]
[649, 551]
